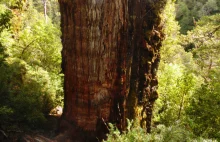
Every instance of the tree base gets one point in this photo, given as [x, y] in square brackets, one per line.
[70, 132]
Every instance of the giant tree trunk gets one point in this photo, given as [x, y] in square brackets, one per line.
[94, 49]
[110, 47]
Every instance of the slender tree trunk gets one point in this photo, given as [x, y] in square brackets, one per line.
[110, 55]
[181, 106]
[45, 10]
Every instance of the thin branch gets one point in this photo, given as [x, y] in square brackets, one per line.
[26, 47]
[215, 30]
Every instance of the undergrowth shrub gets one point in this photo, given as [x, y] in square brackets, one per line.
[160, 133]
[26, 94]
[203, 112]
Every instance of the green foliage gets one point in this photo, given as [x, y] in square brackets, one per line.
[205, 41]
[29, 92]
[134, 133]
[184, 17]
[5, 113]
[176, 88]
[5, 16]
[30, 79]
[182, 97]
[14, 4]
[37, 42]
[189, 11]
[203, 114]
[177, 80]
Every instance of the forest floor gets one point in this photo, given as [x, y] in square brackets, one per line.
[46, 134]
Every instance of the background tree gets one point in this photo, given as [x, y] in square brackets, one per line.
[177, 80]
[205, 40]
[190, 64]
[190, 11]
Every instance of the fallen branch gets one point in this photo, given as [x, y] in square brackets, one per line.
[4, 134]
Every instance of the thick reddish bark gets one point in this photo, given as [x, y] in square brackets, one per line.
[110, 55]
[94, 49]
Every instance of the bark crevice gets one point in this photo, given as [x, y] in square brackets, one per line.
[110, 56]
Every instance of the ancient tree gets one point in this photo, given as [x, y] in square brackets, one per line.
[110, 56]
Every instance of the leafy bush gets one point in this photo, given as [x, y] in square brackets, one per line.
[134, 133]
[30, 80]
[176, 78]
[29, 92]
[5, 114]
[203, 113]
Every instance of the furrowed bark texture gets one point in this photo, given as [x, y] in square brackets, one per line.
[145, 39]
[134, 40]
[150, 57]
[94, 51]
[110, 57]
